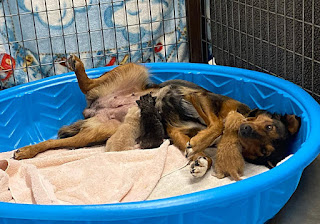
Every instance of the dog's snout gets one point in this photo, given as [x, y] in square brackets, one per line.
[245, 130]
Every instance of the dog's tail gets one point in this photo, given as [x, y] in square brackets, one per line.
[70, 130]
[235, 175]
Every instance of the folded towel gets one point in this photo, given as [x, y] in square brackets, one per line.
[5, 194]
[87, 176]
[93, 176]
[181, 182]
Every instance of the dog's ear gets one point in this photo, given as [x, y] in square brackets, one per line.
[243, 109]
[255, 112]
[293, 123]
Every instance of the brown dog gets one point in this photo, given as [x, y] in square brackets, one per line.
[192, 116]
[228, 158]
[195, 119]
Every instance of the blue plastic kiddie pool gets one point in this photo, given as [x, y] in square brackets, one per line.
[34, 112]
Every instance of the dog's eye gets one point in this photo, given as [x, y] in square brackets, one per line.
[269, 127]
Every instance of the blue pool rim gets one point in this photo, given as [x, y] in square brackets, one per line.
[184, 203]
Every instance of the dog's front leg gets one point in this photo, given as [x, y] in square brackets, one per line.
[200, 162]
[178, 137]
[204, 139]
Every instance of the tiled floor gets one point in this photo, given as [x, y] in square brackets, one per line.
[304, 205]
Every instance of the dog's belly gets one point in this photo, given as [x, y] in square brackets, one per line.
[111, 107]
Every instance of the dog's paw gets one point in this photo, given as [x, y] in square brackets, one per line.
[199, 167]
[189, 151]
[26, 152]
[74, 63]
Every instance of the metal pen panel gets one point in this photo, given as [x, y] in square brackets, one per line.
[279, 37]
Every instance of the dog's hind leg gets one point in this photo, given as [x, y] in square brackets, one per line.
[122, 76]
[76, 65]
[92, 131]
[70, 130]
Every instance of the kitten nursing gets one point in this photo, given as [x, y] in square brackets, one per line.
[228, 159]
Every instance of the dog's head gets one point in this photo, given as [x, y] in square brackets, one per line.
[265, 137]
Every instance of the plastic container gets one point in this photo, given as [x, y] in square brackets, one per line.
[33, 112]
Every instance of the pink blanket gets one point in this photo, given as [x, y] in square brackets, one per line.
[86, 176]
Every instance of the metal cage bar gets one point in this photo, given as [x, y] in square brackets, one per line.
[128, 30]
[194, 30]
[274, 36]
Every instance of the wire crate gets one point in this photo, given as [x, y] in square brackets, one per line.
[36, 36]
[278, 37]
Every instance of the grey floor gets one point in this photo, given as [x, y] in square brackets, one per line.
[304, 205]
